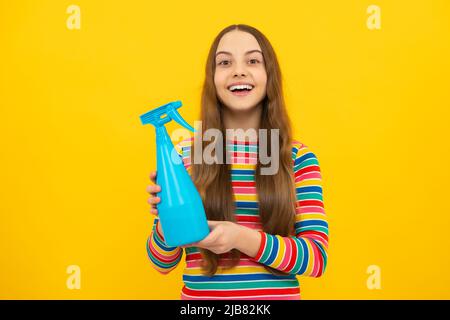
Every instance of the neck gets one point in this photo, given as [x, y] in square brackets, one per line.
[247, 119]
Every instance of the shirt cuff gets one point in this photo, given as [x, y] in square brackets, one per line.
[161, 239]
[262, 245]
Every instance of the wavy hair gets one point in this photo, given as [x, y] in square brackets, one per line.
[213, 181]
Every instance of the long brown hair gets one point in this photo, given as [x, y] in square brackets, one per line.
[276, 209]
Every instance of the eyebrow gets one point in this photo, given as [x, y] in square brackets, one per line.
[228, 53]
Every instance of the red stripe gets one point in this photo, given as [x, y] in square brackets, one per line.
[316, 203]
[247, 218]
[294, 255]
[193, 256]
[306, 170]
[262, 244]
[168, 259]
[242, 142]
[317, 233]
[242, 154]
[243, 183]
[198, 256]
[319, 258]
[240, 293]
[158, 233]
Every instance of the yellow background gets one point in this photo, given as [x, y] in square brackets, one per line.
[373, 105]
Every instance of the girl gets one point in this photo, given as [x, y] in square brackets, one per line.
[265, 229]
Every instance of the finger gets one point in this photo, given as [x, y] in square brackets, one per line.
[154, 200]
[153, 176]
[154, 211]
[153, 189]
[212, 223]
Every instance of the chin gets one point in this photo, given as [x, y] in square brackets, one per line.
[241, 106]
[244, 107]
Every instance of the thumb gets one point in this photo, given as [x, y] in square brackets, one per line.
[212, 224]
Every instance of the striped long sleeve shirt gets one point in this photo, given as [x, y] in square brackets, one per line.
[302, 254]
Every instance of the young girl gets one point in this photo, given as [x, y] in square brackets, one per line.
[265, 229]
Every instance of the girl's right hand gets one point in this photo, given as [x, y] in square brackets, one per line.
[154, 199]
[152, 190]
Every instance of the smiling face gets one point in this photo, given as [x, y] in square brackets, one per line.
[239, 59]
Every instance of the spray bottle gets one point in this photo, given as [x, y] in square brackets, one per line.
[181, 212]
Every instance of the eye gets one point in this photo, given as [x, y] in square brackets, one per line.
[254, 60]
[221, 62]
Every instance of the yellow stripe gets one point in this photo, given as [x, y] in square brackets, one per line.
[309, 216]
[301, 152]
[163, 253]
[308, 182]
[248, 197]
[221, 270]
[309, 268]
[281, 251]
[246, 166]
[300, 217]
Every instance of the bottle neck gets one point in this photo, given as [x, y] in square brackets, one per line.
[161, 134]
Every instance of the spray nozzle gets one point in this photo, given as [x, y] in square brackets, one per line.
[170, 112]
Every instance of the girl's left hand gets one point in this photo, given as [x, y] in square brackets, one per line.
[221, 239]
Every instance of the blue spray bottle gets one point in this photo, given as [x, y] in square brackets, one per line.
[182, 216]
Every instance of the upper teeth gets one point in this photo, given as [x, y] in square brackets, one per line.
[241, 86]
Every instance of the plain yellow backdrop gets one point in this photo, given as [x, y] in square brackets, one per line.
[373, 105]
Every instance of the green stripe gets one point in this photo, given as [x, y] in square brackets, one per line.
[268, 248]
[316, 228]
[309, 162]
[243, 285]
[247, 212]
[241, 148]
[238, 177]
[309, 196]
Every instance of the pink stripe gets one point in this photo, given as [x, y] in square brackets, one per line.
[242, 263]
[245, 160]
[165, 258]
[287, 255]
[241, 190]
[314, 258]
[309, 175]
[293, 297]
[309, 209]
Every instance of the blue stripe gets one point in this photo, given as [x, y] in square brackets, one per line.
[306, 156]
[238, 171]
[305, 256]
[246, 204]
[274, 252]
[159, 263]
[307, 223]
[317, 189]
[159, 242]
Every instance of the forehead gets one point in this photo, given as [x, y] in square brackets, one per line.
[238, 42]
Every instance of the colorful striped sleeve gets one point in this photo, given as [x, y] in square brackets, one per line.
[163, 257]
[306, 253]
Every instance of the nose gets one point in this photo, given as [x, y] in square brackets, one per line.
[239, 70]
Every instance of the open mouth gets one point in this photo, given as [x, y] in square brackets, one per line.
[241, 90]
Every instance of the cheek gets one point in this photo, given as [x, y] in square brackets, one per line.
[219, 81]
[261, 77]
